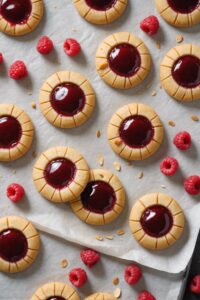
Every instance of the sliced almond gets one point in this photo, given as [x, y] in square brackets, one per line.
[101, 160]
[63, 263]
[179, 38]
[171, 123]
[117, 166]
[103, 66]
[154, 93]
[109, 237]
[195, 118]
[115, 281]
[99, 238]
[98, 133]
[117, 293]
[120, 232]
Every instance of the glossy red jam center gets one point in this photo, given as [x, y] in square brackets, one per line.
[56, 298]
[157, 221]
[10, 132]
[15, 11]
[68, 99]
[13, 245]
[184, 6]
[98, 197]
[136, 131]
[60, 172]
[101, 4]
[124, 60]
[186, 71]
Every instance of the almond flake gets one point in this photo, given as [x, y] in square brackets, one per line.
[118, 142]
[99, 237]
[140, 175]
[115, 281]
[101, 160]
[117, 293]
[171, 123]
[117, 166]
[109, 237]
[154, 93]
[63, 263]
[98, 133]
[120, 232]
[103, 66]
[179, 38]
[195, 118]
[158, 45]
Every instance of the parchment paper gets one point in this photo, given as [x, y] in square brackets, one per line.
[61, 21]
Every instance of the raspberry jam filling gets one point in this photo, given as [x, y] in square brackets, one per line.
[10, 132]
[15, 11]
[68, 99]
[157, 221]
[101, 4]
[184, 6]
[13, 245]
[56, 298]
[186, 71]
[136, 131]
[124, 60]
[60, 172]
[98, 197]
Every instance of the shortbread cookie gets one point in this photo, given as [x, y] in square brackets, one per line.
[135, 131]
[123, 60]
[60, 174]
[100, 11]
[16, 132]
[19, 17]
[180, 13]
[56, 291]
[156, 221]
[101, 296]
[103, 199]
[19, 244]
[67, 99]
[180, 72]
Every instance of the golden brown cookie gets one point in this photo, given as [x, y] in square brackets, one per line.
[60, 174]
[19, 244]
[19, 17]
[16, 132]
[55, 291]
[180, 13]
[123, 60]
[101, 296]
[180, 72]
[103, 199]
[135, 131]
[156, 221]
[67, 99]
[100, 12]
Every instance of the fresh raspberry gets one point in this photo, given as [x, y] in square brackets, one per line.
[71, 47]
[192, 185]
[90, 257]
[45, 45]
[150, 25]
[132, 274]
[18, 70]
[195, 284]
[1, 58]
[169, 166]
[146, 296]
[78, 277]
[15, 192]
[183, 140]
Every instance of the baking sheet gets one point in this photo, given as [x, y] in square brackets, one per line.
[47, 268]
[61, 21]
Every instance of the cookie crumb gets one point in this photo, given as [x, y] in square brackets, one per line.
[101, 160]
[109, 237]
[103, 66]
[117, 293]
[34, 154]
[98, 133]
[195, 118]
[63, 263]
[118, 142]
[129, 163]
[74, 30]
[154, 93]
[179, 38]
[14, 171]
[158, 45]
[117, 166]
[115, 281]
[120, 232]
[99, 238]
[140, 175]
[30, 93]
[171, 123]
[33, 104]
